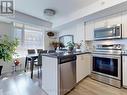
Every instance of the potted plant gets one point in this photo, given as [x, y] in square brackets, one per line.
[54, 44]
[70, 46]
[7, 49]
[61, 45]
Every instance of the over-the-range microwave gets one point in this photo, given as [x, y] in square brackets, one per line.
[109, 32]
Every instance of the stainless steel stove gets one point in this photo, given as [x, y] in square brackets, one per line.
[106, 65]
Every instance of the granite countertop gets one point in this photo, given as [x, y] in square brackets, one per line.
[63, 54]
[80, 53]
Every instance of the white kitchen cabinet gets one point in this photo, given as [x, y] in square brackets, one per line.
[114, 19]
[124, 71]
[80, 33]
[89, 30]
[83, 66]
[124, 24]
[50, 74]
[108, 21]
[101, 22]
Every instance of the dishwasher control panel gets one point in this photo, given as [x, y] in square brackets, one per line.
[67, 59]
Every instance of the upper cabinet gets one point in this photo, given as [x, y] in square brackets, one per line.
[124, 24]
[89, 30]
[80, 34]
[119, 18]
[114, 19]
[108, 21]
[100, 23]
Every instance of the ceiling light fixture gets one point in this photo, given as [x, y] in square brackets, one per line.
[49, 12]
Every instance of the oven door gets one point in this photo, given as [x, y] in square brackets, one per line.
[107, 65]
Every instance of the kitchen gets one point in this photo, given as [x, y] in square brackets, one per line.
[106, 36]
[96, 65]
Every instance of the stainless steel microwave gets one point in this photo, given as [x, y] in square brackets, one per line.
[110, 32]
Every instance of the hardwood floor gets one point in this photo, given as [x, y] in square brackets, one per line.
[92, 87]
[19, 85]
[87, 87]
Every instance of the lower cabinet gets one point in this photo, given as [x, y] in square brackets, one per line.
[83, 66]
[124, 71]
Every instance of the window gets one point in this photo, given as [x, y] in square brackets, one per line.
[29, 37]
[33, 38]
[19, 34]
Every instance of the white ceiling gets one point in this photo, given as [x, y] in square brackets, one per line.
[63, 7]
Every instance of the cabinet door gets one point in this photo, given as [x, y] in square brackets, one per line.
[87, 64]
[82, 66]
[80, 34]
[125, 71]
[100, 23]
[114, 19]
[124, 24]
[89, 30]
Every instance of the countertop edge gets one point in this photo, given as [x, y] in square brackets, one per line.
[59, 56]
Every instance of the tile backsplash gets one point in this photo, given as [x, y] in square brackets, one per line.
[89, 46]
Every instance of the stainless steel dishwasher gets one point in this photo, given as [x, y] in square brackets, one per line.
[67, 73]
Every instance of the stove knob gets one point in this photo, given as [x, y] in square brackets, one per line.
[115, 46]
[118, 46]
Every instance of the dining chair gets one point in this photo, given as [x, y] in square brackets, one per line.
[29, 51]
[39, 51]
[51, 51]
[39, 63]
[44, 51]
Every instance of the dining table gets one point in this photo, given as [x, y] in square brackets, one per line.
[32, 58]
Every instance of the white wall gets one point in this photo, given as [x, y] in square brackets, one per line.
[76, 29]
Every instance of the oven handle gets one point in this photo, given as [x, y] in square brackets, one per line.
[106, 56]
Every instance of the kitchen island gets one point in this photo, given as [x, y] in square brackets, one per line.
[59, 72]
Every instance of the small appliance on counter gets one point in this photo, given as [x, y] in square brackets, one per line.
[106, 65]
